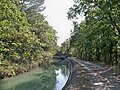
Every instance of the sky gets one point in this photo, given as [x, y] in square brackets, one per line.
[56, 12]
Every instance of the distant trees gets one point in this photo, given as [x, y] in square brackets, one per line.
[98, 37]
[25, 36]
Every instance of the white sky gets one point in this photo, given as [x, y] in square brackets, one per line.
[56, 12]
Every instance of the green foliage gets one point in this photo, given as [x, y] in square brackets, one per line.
[44, 33]
[33, 5]
[25, 37]
[98, 37]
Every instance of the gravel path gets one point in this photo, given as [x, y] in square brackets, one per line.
[89, 76]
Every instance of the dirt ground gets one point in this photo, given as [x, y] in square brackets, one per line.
[89, 76]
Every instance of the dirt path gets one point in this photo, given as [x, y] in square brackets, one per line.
[88, 76]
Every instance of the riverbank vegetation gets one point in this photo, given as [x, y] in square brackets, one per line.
[49, 77]
[26, 38]
[97, 38]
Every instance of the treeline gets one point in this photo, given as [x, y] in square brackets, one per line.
[97, 38]
[26, 38]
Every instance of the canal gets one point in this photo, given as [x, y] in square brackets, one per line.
[51, 77]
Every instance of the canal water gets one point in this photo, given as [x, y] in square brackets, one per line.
[52, 77]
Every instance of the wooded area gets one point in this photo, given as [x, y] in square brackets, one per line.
[97, 38]
[26, 38]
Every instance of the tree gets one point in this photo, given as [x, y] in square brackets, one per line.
[25, 36]
[33, 5]
[97, 38]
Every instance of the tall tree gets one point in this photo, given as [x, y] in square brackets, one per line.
[97, 38]
[25, 36]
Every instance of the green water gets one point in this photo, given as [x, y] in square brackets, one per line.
[52, 77]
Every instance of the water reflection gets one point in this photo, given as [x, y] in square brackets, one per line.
[34, 81]
[61, 79]
[48, 78]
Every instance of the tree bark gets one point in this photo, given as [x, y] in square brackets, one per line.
[114, 24]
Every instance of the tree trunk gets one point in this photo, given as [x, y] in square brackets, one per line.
[116, 54]
[110, 53]
[114, 24]
[97, 54]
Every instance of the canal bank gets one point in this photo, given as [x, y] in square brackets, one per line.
[85, 75]
[52, 77]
